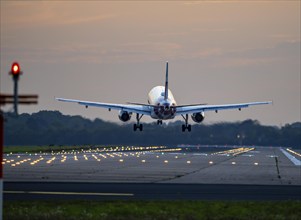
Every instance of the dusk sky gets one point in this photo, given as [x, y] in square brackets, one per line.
[219, 52]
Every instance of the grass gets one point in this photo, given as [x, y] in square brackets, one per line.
[120, 210]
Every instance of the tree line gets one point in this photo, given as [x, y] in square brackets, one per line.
[54, 128]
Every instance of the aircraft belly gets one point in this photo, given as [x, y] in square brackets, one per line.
[161, 116]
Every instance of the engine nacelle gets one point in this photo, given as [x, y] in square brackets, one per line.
[198, 117]
[124, 116]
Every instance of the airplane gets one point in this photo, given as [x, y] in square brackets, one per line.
[162, 106]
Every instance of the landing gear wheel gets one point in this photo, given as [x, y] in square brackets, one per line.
[159, 122]
[186, 125]
[138, 126]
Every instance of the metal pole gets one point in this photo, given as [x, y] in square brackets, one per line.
[1, 166]
[15, 95]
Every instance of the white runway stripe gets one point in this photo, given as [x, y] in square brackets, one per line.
[69, 193]
[291, 157]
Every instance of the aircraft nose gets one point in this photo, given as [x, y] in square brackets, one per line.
[166, 106]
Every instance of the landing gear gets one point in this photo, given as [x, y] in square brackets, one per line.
[159, 122]
[186, 125]
[138, 125]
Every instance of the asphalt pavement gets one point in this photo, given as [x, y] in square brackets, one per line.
[157, 172]
[147, 191]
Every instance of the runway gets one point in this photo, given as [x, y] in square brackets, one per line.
[157, 164]
[147, 191]
[156, 172]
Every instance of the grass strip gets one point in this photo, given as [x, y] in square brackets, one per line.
[85, 210]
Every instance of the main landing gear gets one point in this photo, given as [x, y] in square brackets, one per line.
[138, 125]
[159, 122]
[186, 125]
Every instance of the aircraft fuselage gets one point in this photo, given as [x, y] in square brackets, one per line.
[162, 109]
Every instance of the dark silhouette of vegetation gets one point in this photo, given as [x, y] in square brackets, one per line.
[53, 128]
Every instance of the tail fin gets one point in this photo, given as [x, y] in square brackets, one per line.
[166, 82]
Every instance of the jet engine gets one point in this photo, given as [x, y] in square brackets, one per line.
[124, 116]
[198, 117]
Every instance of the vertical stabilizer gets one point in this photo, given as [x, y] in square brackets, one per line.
[166, 83]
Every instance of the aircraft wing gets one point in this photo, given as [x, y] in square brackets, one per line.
[140, 109]
[203, 108]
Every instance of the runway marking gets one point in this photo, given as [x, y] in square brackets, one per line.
[234, 152]
[69, 193]
[291, 157]
[294, 152]
[200, 154]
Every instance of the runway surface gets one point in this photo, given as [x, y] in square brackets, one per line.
[147, 191]
[157, 172]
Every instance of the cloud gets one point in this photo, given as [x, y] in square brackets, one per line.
[35, 14]
[208, 30]
[169, 34]
[241, 62]
[154, 51]
[208, 52]
[282, 37]
[94, 53]
[282, 52]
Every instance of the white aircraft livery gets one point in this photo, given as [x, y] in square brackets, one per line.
[162, 106]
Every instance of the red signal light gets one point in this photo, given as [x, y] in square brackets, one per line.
[15, 69]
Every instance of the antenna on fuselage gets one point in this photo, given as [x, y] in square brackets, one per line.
[166, 83]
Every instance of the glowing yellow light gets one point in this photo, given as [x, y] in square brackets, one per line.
[50, 161]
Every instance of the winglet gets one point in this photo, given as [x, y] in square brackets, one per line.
[166, 82]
